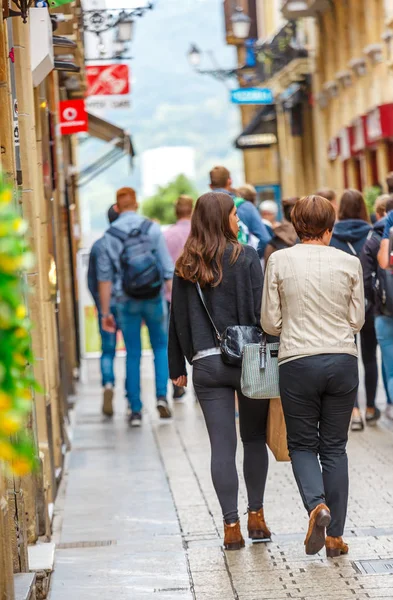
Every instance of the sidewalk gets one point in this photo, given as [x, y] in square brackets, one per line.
[137, 517]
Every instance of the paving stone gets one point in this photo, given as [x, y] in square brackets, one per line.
[149, 491]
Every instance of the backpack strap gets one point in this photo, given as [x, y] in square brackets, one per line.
[238, 201]
[123, 235]
[145, 226]
[118, 233]
[352, 249]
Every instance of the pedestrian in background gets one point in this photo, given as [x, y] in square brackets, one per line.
[175, 237]
[108, 339]
[330, 195]
[220, 181]
[374, 290]
[384, 320]
[135, 262]
[231, 280]
[350, 234]
[313, 298]
[284, 234]
[268, 210]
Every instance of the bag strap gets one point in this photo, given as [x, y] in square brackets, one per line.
[263, 351]
[118, 234]
[352, 249]
[202, 297]
[145, 226]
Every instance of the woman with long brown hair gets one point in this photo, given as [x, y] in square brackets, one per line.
[231, 280]
[350, 234]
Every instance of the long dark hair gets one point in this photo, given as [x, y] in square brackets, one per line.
[352, 206]
[201, 260]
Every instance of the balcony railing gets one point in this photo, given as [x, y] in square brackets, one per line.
[295, 9]
[276, 53]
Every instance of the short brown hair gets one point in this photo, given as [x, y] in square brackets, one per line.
[380, 204]
[312, 216]
[247, 192]
[352, 206]
[287, 206]
[184, 206]
[327, 193]
[219, 177]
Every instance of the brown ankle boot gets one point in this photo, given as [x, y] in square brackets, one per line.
[257, 528]
[319, 520]
[233, 539]
[335, 546]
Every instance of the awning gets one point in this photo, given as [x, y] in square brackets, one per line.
[119, 141]
[108, 132]
[261, 132]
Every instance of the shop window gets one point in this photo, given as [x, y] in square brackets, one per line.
[390, 155]
[374, 167]
[358, 174]
[346, 174]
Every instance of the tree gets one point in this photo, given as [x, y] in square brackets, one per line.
[161, 206]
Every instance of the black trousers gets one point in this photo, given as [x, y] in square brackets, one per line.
[215, 385]
[318, 395]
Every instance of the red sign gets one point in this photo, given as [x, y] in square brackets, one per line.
[72, 116]
[108, 80]
[379, 124]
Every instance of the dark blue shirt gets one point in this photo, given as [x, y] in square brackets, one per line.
[388, 225]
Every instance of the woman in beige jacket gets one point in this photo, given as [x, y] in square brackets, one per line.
[313, 298]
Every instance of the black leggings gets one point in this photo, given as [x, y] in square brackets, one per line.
[369, 357]
[215, 385]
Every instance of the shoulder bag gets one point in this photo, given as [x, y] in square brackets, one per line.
[235, 337]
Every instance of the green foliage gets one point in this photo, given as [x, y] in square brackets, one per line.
[370, 196]
[161, 206]
[16, 381]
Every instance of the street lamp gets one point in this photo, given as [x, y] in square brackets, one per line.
[194, 56]
[241, 24]
[101, 21]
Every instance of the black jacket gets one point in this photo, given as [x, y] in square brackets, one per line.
[369, 261]
[235, 301]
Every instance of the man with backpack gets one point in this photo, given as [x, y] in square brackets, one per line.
[135, 261]
[250, 221]
[108, 340]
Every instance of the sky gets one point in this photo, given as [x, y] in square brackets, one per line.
[171, 104]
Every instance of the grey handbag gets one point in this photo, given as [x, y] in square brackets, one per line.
[260, 370]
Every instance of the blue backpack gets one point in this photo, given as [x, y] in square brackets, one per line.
[141, 271]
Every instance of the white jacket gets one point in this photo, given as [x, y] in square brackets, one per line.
[313, 297]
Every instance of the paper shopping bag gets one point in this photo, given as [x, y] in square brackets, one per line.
[277, 431]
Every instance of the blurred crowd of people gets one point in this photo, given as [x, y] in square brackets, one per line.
[267, 227]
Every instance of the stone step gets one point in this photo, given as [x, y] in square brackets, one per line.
[24, 584]
[41, 561]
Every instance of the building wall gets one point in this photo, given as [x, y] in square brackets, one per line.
[352, 77]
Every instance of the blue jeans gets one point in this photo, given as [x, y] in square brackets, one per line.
[108, 345]
[384, 331]
[131, 315]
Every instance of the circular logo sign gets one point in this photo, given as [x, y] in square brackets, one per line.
[70, 113]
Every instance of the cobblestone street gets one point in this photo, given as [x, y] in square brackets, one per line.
[137, 517]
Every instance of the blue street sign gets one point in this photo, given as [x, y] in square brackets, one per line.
[252, 96]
